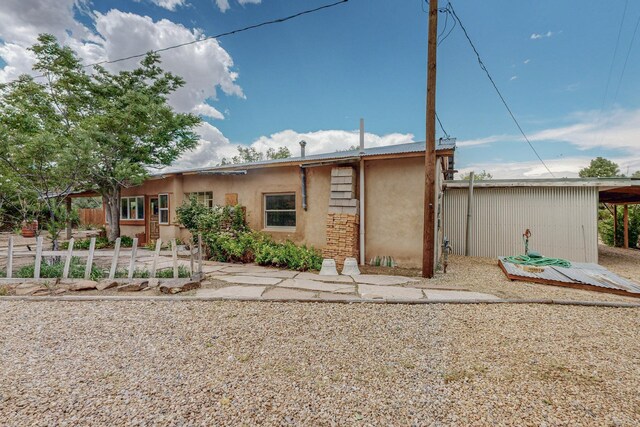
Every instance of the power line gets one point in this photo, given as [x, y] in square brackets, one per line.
[615, 52]
[484, 68]
[217, 36]
[442, 127]
[624, 67]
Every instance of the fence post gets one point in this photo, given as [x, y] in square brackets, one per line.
[154, 265]
[200, 256]
[174, 256]
[132, 263]
[114, 261]
[191, 271]
[67, 261]
[36, 270]
[87, 269]
[10, 258]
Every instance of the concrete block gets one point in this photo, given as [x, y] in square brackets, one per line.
[343, 187]
[342, 180]
[328, 268]
[342, 194]
[344, 202]
[346, 171]
[351, 210]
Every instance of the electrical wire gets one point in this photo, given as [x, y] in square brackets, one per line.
[484, 68]
[217, 36]
[615, 52]
[446, 135]
[626, 59]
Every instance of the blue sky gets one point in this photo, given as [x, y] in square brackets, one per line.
[315, 76]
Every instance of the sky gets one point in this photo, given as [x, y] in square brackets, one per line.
[567, 69]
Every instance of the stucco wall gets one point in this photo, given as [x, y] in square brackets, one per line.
[250, 188]
[394, 197]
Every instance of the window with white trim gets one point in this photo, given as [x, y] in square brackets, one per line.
[205, 198]
[132, 207]
[280, 210]
[163, 208]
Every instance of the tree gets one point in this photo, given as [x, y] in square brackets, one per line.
[600, 168]
[636, 174]
[250, 154]
[110, 129]
[39, 165]
[478, 176]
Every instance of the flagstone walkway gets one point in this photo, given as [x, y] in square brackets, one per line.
[242, 281]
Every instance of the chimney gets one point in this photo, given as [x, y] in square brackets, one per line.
[303, 143]
[361, 136]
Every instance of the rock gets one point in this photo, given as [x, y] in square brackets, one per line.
[29, 288]
[153, 282]
[41, 293]
[106, 284]
[59, 291]
[83, 285]
[132, 287]
[175, 286]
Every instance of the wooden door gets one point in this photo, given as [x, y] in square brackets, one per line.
[154, 223]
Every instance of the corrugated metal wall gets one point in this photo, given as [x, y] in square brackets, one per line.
[563, 221]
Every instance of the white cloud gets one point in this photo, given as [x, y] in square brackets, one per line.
[325, 141]
[169, 4]
[212, 148]
[485, 141]
[513, 78]
[536, 36]
[224, 5]
[526, 61]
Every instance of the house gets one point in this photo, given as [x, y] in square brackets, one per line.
[359, 203]
[561, 213]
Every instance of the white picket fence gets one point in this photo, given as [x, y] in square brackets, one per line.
[116, 254]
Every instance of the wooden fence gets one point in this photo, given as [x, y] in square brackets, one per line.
[195, 256]
[91, 216]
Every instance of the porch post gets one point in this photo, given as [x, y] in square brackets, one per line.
[615, 225]
[626, 226]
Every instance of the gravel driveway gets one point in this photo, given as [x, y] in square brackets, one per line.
[234, 363]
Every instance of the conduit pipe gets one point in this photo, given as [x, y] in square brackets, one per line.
[361, 174]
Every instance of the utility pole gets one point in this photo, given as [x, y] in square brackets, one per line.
[428, 242]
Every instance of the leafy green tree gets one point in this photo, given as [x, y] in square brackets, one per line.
[636, 174]
[250, 154]
[478, 176]
[600, 168]
[605, 227]
[106, 129]
[38, 124]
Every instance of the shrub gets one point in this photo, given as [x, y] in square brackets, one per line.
[54, 270]
[605, 227]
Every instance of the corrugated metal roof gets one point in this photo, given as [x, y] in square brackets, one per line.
[579, 273]
[602, 183]
[413, 147]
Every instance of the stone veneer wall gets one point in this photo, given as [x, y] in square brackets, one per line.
[343, 219]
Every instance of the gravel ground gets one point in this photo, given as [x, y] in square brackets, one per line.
[542, 365]
[226, 363]
[624, 262]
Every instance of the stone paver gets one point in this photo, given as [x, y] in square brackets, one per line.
[289, 294]
[281, 274]
[382, 280]
[232, 292]
[435, 294]
[313, 276]
[328, 296]
[249, 280]
[244, 269]
[317, 286]
[389, 292]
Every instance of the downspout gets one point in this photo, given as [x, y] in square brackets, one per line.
[362, 227]
[303, 176]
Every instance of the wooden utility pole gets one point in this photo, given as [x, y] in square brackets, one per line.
[428, 241]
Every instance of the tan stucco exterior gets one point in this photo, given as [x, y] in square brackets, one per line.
[394, 194]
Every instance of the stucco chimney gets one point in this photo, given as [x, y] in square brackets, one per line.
[303, 143]
[361, 136]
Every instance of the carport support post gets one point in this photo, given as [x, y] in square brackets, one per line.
[615, 225]
[626, 226]
[467, 241]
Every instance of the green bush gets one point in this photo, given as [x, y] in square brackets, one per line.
[53, 271]
[605, 226]
[101, 243]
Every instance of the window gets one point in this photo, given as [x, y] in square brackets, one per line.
[280, 210]
[163, 207]
[132, 207]
[203, 197]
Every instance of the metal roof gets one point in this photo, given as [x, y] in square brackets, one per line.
[601, 183]
[412, 147]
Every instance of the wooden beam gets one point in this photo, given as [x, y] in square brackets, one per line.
[36, 270]
[10, 258]
[428, 240]
[114, 261]
[626, 226]
[67, 260]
